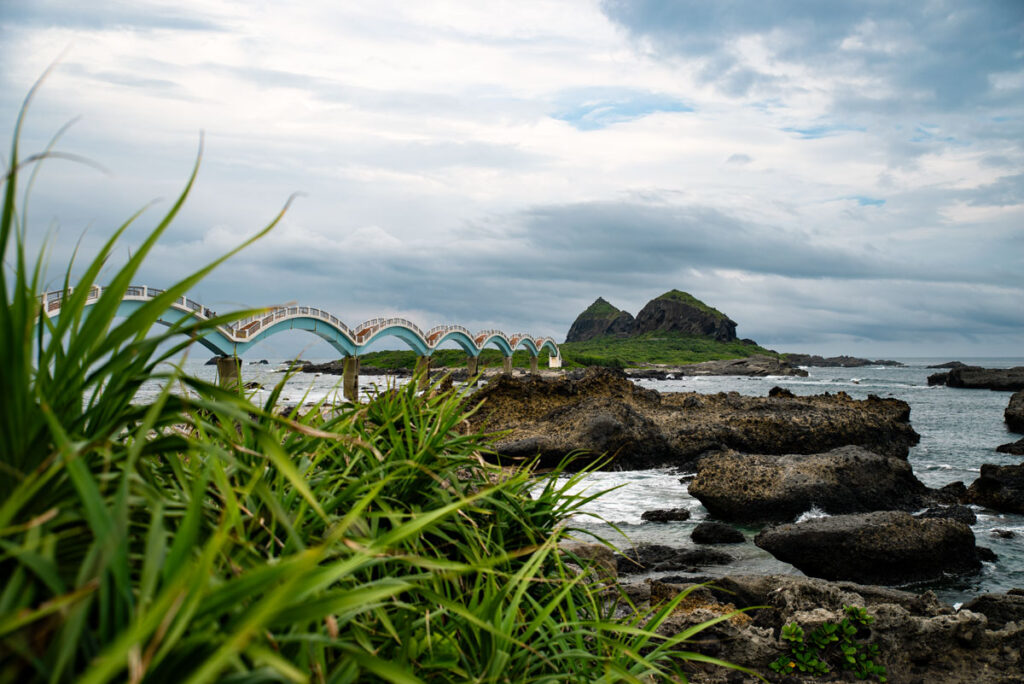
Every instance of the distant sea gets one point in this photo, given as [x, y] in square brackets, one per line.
[959, 429]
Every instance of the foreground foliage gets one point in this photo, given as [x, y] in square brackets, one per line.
[201, 537]
[831, 645]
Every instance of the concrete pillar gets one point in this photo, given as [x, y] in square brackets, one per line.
[350, 385]
[472, 363]
[422, 372]
[554, 362]
[533, 365]
[229, 372]
[506, 365]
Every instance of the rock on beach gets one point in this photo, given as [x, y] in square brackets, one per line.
[600, 411]
[886, 547]
[764, 487]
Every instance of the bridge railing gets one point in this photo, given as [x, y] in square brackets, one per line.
[367, 328]
[52, 301]
[439, 331]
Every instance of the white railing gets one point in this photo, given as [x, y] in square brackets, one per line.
[246, 328]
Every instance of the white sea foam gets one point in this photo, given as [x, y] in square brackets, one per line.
[812, 514]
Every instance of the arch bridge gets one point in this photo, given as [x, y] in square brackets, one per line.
[239, 337]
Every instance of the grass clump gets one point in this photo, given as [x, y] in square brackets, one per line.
[201, 537]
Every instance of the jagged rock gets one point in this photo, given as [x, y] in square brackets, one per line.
[953, 493]
[666, 515]
[920, 639]
[998, 608]
[710, 532]
[659, 558]
[999, 487]
[1015, 448]
[599, 320]
[886, 547]
[600, 411]
[975, 377]
[814, 360]
[938, 378]
[1014, 413]
[757, 365]
[681, 312]
[959, 513]
[949, 364]
[598, 556]
[1003, 534]
[763, 487]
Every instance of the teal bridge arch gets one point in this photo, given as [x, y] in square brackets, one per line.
[239, 337]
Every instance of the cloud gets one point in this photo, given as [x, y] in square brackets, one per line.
[593, 109]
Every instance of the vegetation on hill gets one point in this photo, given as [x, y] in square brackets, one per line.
[656, 347]
[203, 538]
[600, 308]
[393, 359]
[690, 300]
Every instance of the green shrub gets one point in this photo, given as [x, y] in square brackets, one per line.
[201, 537]
[830, 645]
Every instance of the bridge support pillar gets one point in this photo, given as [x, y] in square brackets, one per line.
[350, 385]
[506, 365]
[229, 372]
[533, 365]
[422, 372]
[554, 362]
[472, 364]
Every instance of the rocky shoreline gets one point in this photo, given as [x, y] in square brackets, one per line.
[601, 412]
[917, 638]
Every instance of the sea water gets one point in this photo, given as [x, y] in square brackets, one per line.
[959, 428]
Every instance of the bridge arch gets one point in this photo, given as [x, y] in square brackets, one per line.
[242, 335]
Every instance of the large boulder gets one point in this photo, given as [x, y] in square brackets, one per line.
[975, 377]
[600, 319]
[1015, 448]
[763, 487]
[710, 532]
[1014, 413]
[887, 547]
[660, 558]
[681, 312]
[601, 412]
[999, 487]
[757, 365]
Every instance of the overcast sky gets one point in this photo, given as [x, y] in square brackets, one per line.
[837, 177]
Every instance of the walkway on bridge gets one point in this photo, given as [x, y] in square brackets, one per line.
[232, 341]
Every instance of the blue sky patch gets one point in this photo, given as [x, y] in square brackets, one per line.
[601, 110]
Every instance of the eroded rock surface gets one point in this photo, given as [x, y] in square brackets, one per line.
[888, 547]
[920, 639]
[1014, 413]
[764, 487]
[999, 487]
[601, 412]
[975, 377]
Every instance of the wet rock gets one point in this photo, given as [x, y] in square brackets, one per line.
[662, 515]
[753, 366]
[949, 364]
[1014, 413]
[1003, 534]
[660, 558]
[601, 412]
[763, 487]
[975, 377]
[1015, 448]
[952, 493]
[998, 608]
[716, 533]
[959, 513]
[814, 360]
[938, 379]
[999, 487]
[888, 547]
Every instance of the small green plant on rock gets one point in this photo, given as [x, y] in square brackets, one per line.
[829, 645]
